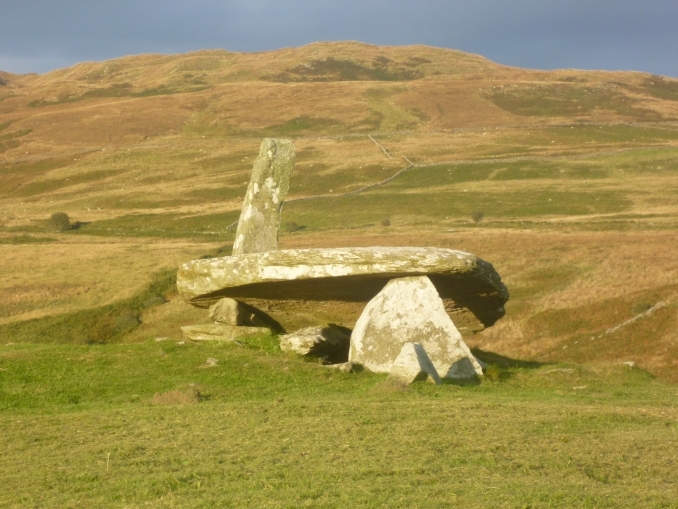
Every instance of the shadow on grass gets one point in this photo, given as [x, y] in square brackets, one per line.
[491, 358]
[498, 367]
[462, 382]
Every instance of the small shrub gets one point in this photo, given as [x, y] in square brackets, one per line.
[291, 226]
[642, 307]
[155, 300]
[495, 373]
[126, 321]
[386, 222]
[477, 216]
[59, 222]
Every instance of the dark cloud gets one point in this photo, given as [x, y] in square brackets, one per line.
[39, 35]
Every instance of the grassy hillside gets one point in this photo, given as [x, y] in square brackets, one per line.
[573, 173]
[565, 180]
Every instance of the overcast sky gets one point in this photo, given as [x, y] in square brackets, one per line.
[41, 35]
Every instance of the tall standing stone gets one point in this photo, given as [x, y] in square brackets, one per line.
[260, 216]
[410, 310]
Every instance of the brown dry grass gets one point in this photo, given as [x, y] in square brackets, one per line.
[40, 280]
[95, 142]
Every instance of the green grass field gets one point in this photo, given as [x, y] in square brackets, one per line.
[150, 425]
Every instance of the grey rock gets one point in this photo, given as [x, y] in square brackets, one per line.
[413, 364]
[346, 367]
[410, 310]
[259, 221]
[232, 312]
[219, 332]
[322, 341]
[303, 287]
[229, 311]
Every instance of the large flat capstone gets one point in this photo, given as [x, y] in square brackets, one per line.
[305, 287]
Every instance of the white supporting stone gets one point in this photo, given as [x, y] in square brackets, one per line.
[409, 310]
[413, 364]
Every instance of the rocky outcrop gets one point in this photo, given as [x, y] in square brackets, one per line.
[410, 310]
[259, 222]
[304, 287]
[220, 332]
[413, 364]
[327, 341]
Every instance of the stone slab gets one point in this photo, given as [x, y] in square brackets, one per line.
[297, 288]
[220, 332]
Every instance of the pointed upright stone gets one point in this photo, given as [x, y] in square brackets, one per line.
[260, 216]
[410, 310]
[413, 364]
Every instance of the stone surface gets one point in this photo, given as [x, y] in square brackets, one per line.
[303, 287]
[219, 332]
[259, 221]
[323, 341]
[346, 367]
[229, 311]
[413, 364]
[410, 310]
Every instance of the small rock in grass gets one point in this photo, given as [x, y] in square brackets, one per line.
[211, 362]
[329, 341]
[346, 367]
[630, 364]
